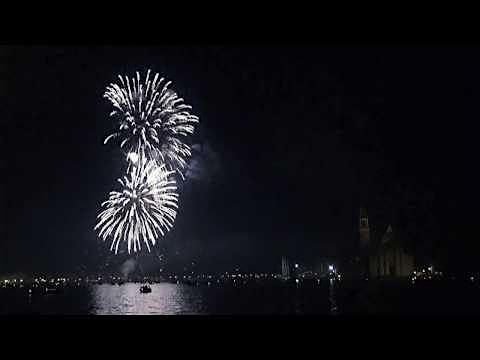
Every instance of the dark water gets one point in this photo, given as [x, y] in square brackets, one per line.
[322, 299]
[170, 299]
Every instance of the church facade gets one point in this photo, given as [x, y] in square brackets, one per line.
[385, 257]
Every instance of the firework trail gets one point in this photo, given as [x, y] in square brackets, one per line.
[144, 209]
[152, 120]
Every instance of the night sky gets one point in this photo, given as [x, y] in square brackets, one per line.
[292, 140]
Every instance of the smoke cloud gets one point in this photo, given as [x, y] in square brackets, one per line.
[128, 267]
[204, 165]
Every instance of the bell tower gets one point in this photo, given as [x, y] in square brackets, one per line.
[364, 229]
[364, 243]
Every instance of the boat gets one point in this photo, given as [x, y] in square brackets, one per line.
[50, 290]
[145, 289]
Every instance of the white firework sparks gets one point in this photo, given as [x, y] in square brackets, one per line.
[152, 119]
[143, 210]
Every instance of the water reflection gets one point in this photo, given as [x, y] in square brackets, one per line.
[170, 299]
[165, 299]
[332, 298]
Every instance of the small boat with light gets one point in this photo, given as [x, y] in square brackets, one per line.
[52, 290]
[145, 289]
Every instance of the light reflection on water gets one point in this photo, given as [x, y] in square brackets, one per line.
[265, 298]
[165, 299]
[170, 299]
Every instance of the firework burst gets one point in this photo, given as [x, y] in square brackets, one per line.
[143, 210]
[152, 119]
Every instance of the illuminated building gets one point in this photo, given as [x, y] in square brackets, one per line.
[285, 268]
[388, 258]
[382, 256]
